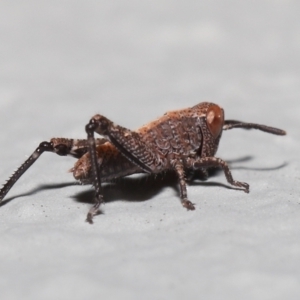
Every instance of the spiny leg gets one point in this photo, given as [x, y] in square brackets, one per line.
[59, 146]
[207, 162]
[182, 186]
[44, 146]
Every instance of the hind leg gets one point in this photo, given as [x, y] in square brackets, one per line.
[59, 146]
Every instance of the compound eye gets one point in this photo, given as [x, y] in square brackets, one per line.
[215, 120]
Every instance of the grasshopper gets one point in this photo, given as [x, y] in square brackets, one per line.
[184, 141]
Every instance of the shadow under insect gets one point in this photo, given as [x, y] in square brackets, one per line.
[143, 187]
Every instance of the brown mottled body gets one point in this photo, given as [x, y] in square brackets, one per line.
[176, 134]
[182, 140]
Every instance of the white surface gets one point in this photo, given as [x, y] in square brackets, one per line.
[63, 61]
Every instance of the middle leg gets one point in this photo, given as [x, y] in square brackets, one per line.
[178, 166]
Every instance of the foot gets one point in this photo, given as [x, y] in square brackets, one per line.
[188, 204]
[243, 185]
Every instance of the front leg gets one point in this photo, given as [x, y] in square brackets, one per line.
[207, 162]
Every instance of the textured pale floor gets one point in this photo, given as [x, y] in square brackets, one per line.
[63, 61]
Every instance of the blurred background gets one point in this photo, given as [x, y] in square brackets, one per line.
[61, 62]
[121, 58]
